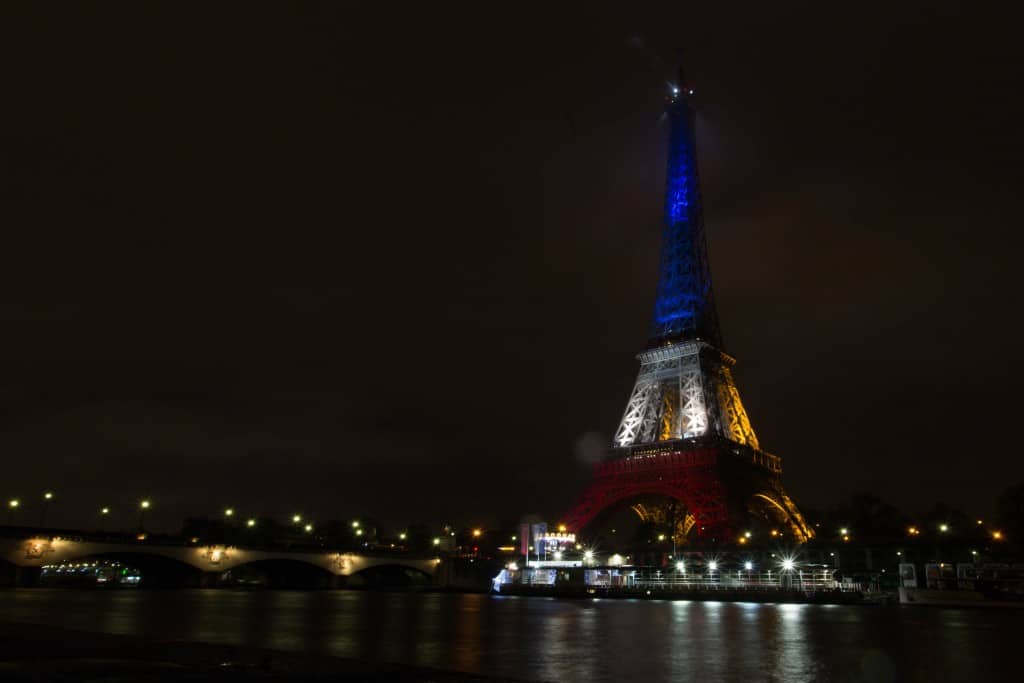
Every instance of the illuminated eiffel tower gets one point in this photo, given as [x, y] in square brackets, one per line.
[685, 437]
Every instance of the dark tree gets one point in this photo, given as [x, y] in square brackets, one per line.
[957, 522]
[418, 538]
[865, 515]
[1010, 513]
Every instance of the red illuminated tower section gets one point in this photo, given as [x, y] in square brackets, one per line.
[685, 438]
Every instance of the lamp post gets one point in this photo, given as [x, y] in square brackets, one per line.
[143, 506]
[12, 507]
[47, 497]
[103, 517]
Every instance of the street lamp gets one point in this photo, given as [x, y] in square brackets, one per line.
[296, 519]
[308, 528]
[251, 523]
[47, 497]
[229, 512]
[12, 506]
[943, 528]
[103, 517]
[401, 536]
[143, 506]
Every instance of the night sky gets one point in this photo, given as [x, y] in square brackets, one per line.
[359, 258]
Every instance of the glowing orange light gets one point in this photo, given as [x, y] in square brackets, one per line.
[476, 532]
[997, 535]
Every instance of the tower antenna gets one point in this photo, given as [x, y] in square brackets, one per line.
[680, 73]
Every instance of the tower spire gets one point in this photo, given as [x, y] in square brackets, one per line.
[684, 309]
[680, 74]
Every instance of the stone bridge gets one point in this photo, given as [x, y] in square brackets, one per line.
[212, 560]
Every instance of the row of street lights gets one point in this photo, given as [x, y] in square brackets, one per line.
[229, 512]
[15, 503]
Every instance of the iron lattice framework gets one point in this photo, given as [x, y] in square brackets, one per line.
[684, 391]
[685, 434]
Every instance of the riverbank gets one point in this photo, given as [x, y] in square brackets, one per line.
[34, 652]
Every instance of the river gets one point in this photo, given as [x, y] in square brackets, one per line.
[559, 640]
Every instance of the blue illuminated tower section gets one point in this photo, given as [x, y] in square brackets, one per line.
[685, 306]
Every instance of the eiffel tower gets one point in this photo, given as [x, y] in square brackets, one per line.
[685, 438]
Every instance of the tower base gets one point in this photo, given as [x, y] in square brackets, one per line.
[724, 487]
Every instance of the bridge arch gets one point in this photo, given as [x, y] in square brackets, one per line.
[158, 569]
[278, 572]
[389, 575]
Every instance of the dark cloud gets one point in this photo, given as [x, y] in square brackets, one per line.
[352, 260]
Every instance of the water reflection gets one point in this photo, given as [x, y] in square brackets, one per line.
[547, 639]
[791, 642]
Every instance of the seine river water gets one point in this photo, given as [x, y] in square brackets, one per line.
[560, 640]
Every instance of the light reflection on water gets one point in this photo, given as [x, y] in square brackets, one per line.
[549, 639]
